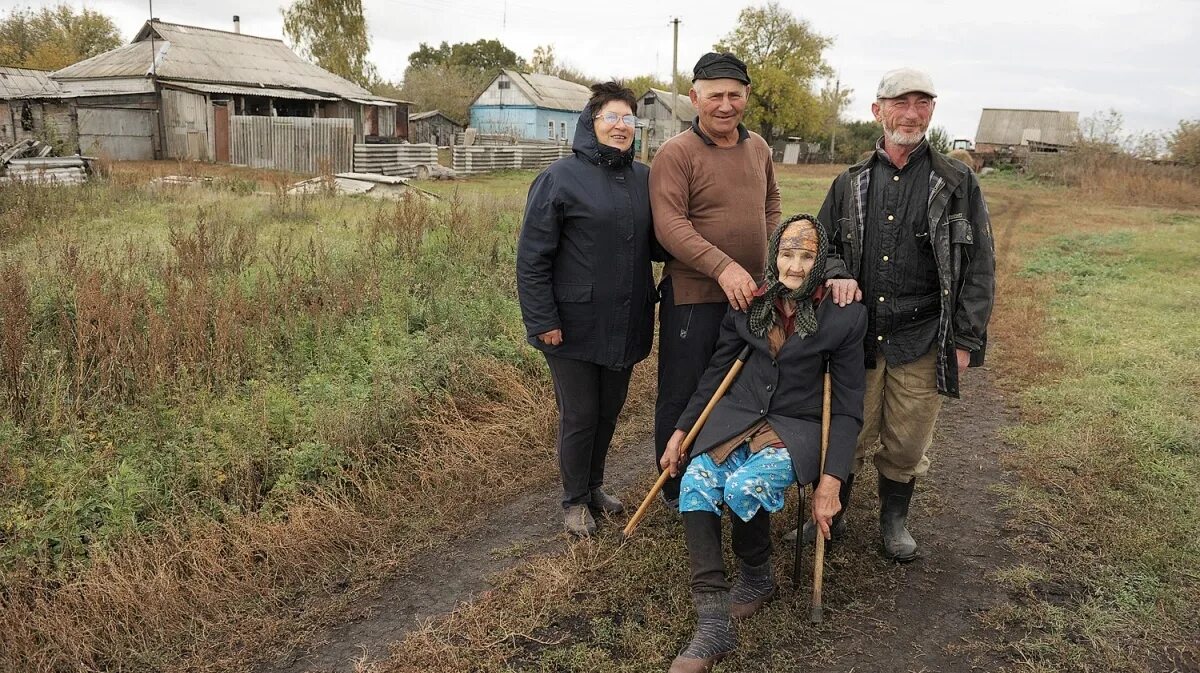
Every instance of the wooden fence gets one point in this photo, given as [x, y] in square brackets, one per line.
[298, 144]
[474, 159]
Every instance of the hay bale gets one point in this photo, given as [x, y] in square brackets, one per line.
[963, 156]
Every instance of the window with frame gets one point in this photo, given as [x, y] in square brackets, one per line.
[550, 130]
[503, 84]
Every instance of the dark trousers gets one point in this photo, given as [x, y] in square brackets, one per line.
[589, 399]
[687, 337]
[751, 544]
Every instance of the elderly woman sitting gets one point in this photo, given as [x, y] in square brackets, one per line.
[764, 434]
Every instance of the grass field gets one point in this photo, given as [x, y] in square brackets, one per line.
[229, 407]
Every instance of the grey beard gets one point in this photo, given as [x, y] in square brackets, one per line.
[900, 138]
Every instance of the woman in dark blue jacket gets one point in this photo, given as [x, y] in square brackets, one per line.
[586, 290]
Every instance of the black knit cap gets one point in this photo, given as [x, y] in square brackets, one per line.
[720, 66]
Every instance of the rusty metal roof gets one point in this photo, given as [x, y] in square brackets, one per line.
[548, 91]
[999, 126]
[192, 54]
[26, 83]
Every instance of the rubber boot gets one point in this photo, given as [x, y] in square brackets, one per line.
[838, 529]
[894, 497]
[754, 586]
[714, 638]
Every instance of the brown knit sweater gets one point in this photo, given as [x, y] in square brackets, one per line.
[712, 205]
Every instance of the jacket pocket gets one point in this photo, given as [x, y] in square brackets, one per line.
[961, 232]
[846, 229]
[572, 293]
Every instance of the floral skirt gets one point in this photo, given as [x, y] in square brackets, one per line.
[745, 481]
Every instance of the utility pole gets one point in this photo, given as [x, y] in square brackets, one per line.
[674, 79]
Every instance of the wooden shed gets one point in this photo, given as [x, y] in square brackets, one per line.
[223, 96]
[1009, 129]
[433, 127]
[665, 114]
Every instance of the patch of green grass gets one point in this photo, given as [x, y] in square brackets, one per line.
[1111, 470]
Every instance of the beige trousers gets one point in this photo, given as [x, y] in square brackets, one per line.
[899, 412]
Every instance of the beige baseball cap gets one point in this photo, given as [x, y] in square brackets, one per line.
[898, 82]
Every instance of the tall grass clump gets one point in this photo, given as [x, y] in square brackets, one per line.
[1111, 176]
[215, 406]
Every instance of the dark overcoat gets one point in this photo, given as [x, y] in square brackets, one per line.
[583, 259]
[787, 389]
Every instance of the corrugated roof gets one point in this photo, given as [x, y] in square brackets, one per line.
[684, 110]
[290, 94]
[26, 83]
[999, 126]
[548, 91]
[193, 54]
[106, 86]
[418, 116]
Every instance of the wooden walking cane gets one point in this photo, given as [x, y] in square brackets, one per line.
[818, 610]
[691, 437]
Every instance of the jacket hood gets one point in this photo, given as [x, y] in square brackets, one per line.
[587, 146]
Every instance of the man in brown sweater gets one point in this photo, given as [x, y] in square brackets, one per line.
[715, 203]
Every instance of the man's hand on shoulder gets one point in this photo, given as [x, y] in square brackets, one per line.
[844, 290]
[738, 285]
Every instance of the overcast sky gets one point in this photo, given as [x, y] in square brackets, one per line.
[1057, 54]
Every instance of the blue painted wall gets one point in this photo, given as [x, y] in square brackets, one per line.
[524, 121]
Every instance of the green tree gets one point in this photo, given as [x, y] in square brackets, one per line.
[54, 37]
[490, 55]
[855, 138]
[939, 139]
[784, 57]
[642, 83]
[448, 88]
[543, 61]
[333, 33]
[1184, 143]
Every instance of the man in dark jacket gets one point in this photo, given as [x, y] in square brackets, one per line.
[587, 292]
[911, 238]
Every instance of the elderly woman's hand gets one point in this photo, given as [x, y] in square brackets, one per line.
[671, 458]
[551, 338]
[826, 503]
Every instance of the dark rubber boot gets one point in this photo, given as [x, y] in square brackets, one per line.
[838, 529]
[714, 638]
[894, 497]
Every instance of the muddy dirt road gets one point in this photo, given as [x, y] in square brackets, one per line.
[919, 617]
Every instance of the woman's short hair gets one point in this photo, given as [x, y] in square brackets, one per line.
[605, 92]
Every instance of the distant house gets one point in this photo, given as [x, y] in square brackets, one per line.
[1032, 130]
[530, 107]
[171, 93]
[30, 107]
[433, 127]
[664, 114]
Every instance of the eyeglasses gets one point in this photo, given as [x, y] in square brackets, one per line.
[612, 117]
